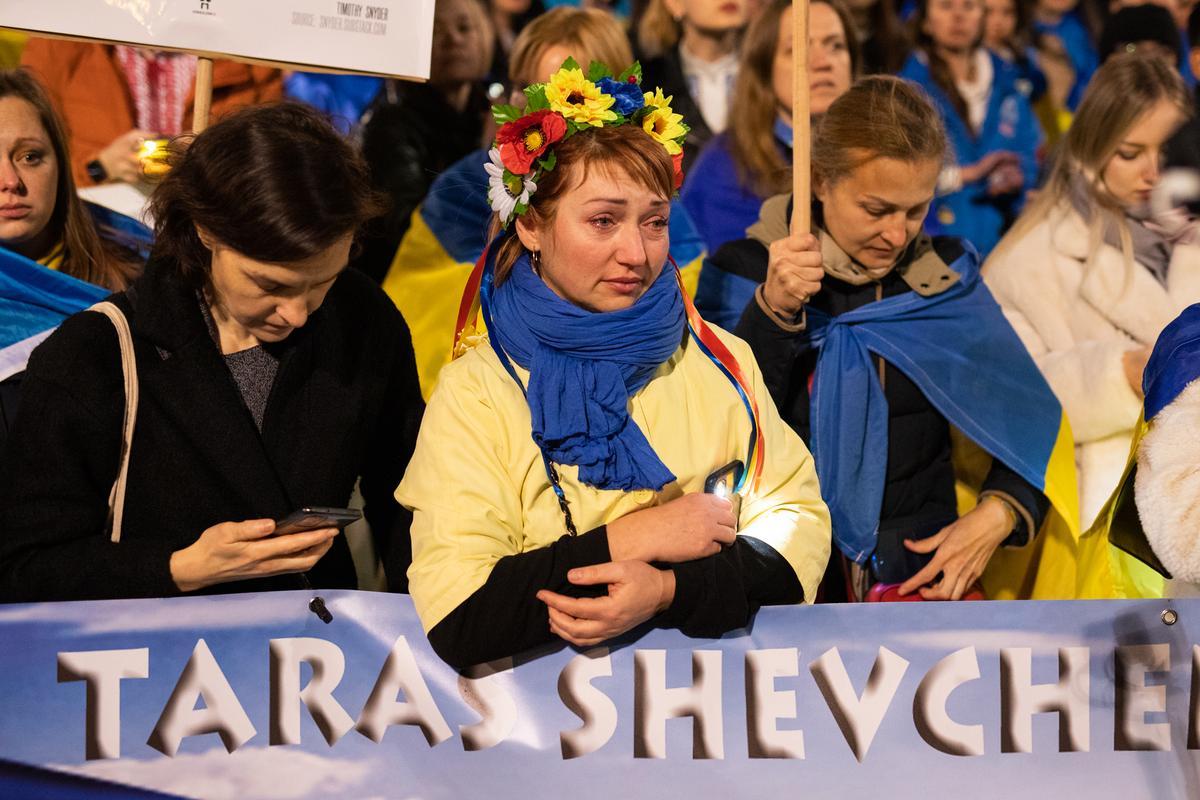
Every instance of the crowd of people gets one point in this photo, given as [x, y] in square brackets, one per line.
[550, 315]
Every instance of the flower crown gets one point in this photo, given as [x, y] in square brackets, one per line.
[556, 110]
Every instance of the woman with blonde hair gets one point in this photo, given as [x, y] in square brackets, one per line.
[881, 345]
[1089, 276]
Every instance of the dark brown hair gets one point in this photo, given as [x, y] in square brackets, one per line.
[888, 44]
[275, 183]
[756, 157]
[624, 147]
[939, 70]
[1022, 37]
[878, 117]
[85, 255]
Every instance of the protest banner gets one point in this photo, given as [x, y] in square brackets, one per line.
[380, 37]
[251, 696]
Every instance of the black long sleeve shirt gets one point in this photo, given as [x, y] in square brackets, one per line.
[712, 595]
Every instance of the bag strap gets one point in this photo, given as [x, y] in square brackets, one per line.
[116, 497]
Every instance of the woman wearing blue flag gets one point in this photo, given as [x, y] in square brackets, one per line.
[879, 344]
[559, 482]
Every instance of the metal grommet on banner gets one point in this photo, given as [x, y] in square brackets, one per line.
[1169, 616]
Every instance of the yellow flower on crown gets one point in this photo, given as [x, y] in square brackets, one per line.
[578, 99]
[662, 123]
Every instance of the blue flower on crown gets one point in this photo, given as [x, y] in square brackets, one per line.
[627, 97]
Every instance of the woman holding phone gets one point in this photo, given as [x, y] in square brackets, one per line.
[270, 378]
[597, 522]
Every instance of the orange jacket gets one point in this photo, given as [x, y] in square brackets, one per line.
[88, 86]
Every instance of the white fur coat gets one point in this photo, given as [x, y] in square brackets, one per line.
[1078, 320]
[1167, 488]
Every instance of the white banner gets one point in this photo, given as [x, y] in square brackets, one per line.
[384, 37]
[252, 697]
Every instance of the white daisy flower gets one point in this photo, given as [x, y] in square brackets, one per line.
[501, 194]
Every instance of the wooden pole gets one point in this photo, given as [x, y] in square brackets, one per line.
[204, 88]
[801, 129]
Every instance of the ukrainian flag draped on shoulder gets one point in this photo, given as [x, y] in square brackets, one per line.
[446, 236]
[34, 300]
[957, 347]
[1125, 571]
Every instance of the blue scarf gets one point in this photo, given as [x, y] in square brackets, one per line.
[960, 351]
[583, 368]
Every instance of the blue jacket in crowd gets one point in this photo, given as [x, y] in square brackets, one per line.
[343, 97]
[1080, 49]
[718, 202]
[1010, 125]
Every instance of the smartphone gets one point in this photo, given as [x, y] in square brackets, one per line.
[311, 518]
[722, 482]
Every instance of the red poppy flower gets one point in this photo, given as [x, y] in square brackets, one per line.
[525, 140]
[677, 160]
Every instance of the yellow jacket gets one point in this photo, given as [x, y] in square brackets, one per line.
[478, 488]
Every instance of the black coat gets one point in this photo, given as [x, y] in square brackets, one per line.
[345, 404]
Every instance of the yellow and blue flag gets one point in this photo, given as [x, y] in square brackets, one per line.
[445, 238]
[958, 348]
[34, 300]
[35, 297]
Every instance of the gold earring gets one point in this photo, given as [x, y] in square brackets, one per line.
[535, 259]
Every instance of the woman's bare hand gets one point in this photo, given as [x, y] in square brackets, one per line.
[233, 551]
[1134, 364]
[636, 592]
[794, 273]
[963, 550]
[689, 527]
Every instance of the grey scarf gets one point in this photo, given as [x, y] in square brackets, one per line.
[1151, 248]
